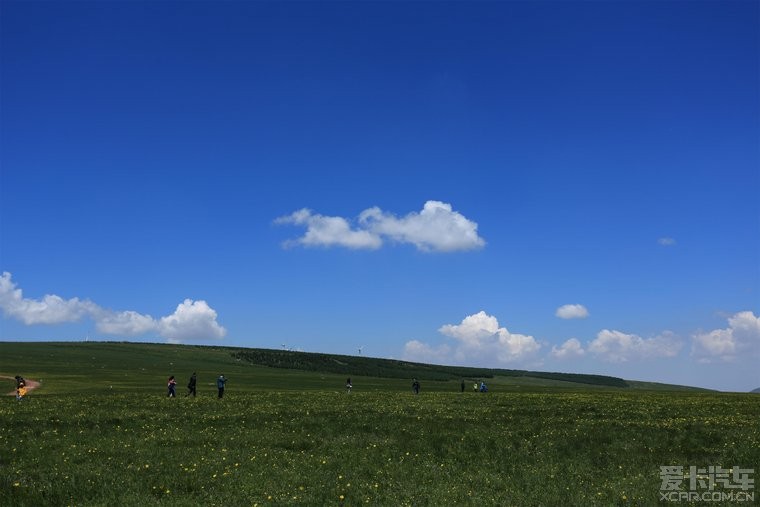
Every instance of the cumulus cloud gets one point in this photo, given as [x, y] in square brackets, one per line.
[618, 347]
[329, 231]
[127, 323]
[571, 312]
[666, 241]
[50, 309]
[570, 349]
[478, 338]
[741, 337]
[192, 320]
[436, 228]
[480, 335]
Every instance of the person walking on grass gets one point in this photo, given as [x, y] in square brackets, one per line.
[349, 385]
[20, 388]
[416, 386]
[191, 386]
[462, 385]
[220, 382]
[171, 386]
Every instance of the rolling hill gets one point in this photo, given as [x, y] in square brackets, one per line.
[109, 366]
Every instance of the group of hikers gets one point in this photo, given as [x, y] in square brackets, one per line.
[477, 387]
[221, 381]
[482, 387]
[171, 386]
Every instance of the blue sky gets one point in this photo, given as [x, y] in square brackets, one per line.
[433, 181]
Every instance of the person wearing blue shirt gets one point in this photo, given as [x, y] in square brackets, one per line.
[220, 385]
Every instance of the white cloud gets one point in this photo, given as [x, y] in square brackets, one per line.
[618, 347]
[571, 312]
[666, 241]
[436, 228]
[473, 328]
[568, 350]
[329, 231]
[50, 309]
[479, 335]
[741, 337]
[191, 320]
[126, 323]
[479, 339]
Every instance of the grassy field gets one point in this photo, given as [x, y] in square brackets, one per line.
[98, 367]
[281, 437]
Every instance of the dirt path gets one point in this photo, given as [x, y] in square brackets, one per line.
[31, 385]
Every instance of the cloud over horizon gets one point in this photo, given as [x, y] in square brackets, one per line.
[618, 347]
[570, 349]
[477, 338]
[436, 228]
[741, 337]
[191, 320]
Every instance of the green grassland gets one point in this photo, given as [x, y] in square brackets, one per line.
[67, 367]
[100, 432]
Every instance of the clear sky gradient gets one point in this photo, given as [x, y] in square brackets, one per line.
[563, 186]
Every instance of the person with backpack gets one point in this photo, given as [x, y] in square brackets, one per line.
[191, 386]
[20, 388]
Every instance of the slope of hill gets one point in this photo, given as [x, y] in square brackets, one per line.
[124, 366]
[392, 368]
[756, 390]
